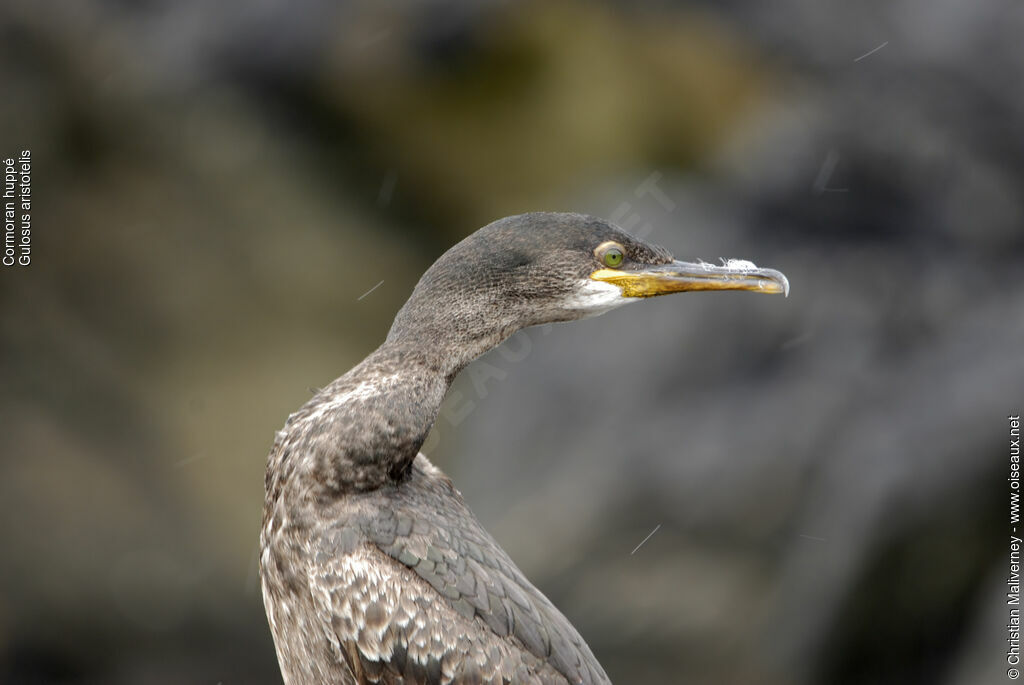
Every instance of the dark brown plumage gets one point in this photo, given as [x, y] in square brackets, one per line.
[373, 568]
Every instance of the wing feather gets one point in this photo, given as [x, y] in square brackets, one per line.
[417, 591]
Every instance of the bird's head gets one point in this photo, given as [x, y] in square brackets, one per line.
[548, 267]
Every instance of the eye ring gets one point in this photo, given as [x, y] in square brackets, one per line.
[611, 254]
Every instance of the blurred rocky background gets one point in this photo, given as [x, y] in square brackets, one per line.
[233, 199]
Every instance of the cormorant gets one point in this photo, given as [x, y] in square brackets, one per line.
[373, 569]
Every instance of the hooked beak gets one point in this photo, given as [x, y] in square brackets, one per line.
[677, 277]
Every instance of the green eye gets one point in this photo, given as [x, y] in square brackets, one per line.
[613, 257]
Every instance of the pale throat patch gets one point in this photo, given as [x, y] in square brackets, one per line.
[597, 297]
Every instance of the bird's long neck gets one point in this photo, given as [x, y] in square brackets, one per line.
[363, 431]
[365, 428]
[452, 327]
